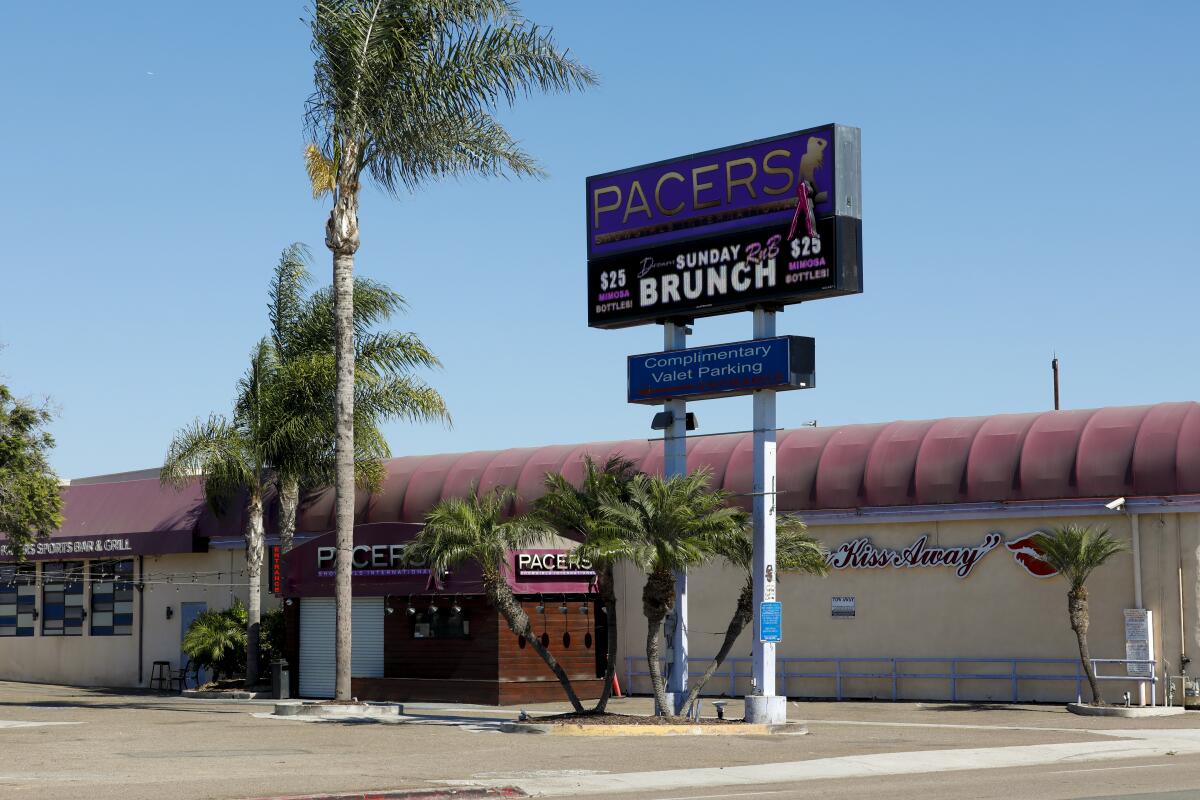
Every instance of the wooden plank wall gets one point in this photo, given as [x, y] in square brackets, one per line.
[457, 659]
[576, 654]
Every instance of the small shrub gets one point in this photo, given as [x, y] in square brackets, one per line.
[271, 635]
[216, 640]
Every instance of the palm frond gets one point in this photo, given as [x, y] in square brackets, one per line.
[322, 172]
[287, 295]
[1076, 551]
[216, 452]
[406, 90]
[478, 528]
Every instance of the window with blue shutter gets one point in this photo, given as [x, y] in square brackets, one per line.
[112, 597]
[18, 599]
[62, 598]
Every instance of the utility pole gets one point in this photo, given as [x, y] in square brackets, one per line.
[1054, 369]
[763, 705]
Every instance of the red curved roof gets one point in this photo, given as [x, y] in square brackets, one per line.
[1131, 451]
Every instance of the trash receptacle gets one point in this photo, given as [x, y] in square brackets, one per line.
[280, 680]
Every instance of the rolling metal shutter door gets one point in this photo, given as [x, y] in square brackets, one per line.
[317, 616]
[366, 643]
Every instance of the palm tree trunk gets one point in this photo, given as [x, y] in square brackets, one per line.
[657, 597]
[1077, 606]
[741, 618]
[254, 560]
[608, 598]
[341, 237]
[289, 501]
[502, 598]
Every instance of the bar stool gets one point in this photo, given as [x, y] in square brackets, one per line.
[160, 676]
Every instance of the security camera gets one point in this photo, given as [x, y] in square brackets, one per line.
[1116, 505]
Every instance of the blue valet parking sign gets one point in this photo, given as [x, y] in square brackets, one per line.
[724, 370]
[770, 622]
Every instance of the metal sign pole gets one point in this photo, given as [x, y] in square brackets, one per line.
[675, 463]
[763, 705]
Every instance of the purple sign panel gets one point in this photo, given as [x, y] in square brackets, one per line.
[59, 548]
[734, 188]
[765, 223]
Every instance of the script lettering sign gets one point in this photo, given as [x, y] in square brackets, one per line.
[862, 553]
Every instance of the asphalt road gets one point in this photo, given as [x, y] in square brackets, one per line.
[61, 742]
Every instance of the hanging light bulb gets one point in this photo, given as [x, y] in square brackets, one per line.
[583, 609]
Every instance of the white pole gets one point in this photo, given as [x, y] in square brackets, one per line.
[675, 463]
[764, 705]
[1137, 561]
[1137, 588]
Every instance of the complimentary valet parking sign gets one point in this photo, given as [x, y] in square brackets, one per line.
[775, 221]
[782, 363]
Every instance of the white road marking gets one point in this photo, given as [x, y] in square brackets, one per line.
[739, 794]
[17, 723]
[939, 725]
[1106, 769]
[1131, 744]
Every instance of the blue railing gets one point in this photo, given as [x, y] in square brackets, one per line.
[1014, 671]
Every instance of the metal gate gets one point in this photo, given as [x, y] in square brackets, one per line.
[317, 615]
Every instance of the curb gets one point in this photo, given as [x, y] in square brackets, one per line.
[235, 695]
[410, 794]
[1131, 712]
[577, 729]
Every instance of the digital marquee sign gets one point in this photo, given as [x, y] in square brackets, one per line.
[723, 370]
[770, 222]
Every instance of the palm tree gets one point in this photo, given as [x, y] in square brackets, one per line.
[232, 456]
[303, 337]
[575, 512]
[1075, 551]
[477, 528]
[665, 526]
[795, 551]
[405, 90]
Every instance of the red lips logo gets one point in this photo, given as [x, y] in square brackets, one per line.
[1026, 553]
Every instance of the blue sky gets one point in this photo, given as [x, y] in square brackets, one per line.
[1029, 178]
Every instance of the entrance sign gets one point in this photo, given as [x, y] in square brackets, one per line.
[770, 622]
[723, 370]
[773, 222]
[861, 553]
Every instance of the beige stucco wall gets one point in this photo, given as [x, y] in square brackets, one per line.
[998, 611]
[113, 660]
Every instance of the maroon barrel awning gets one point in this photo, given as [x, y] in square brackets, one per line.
[1135, 451]
[138, 517]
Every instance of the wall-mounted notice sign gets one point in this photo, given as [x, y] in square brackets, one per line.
[774, 221]
[723, 370]
[842, 607]
[770, 622]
